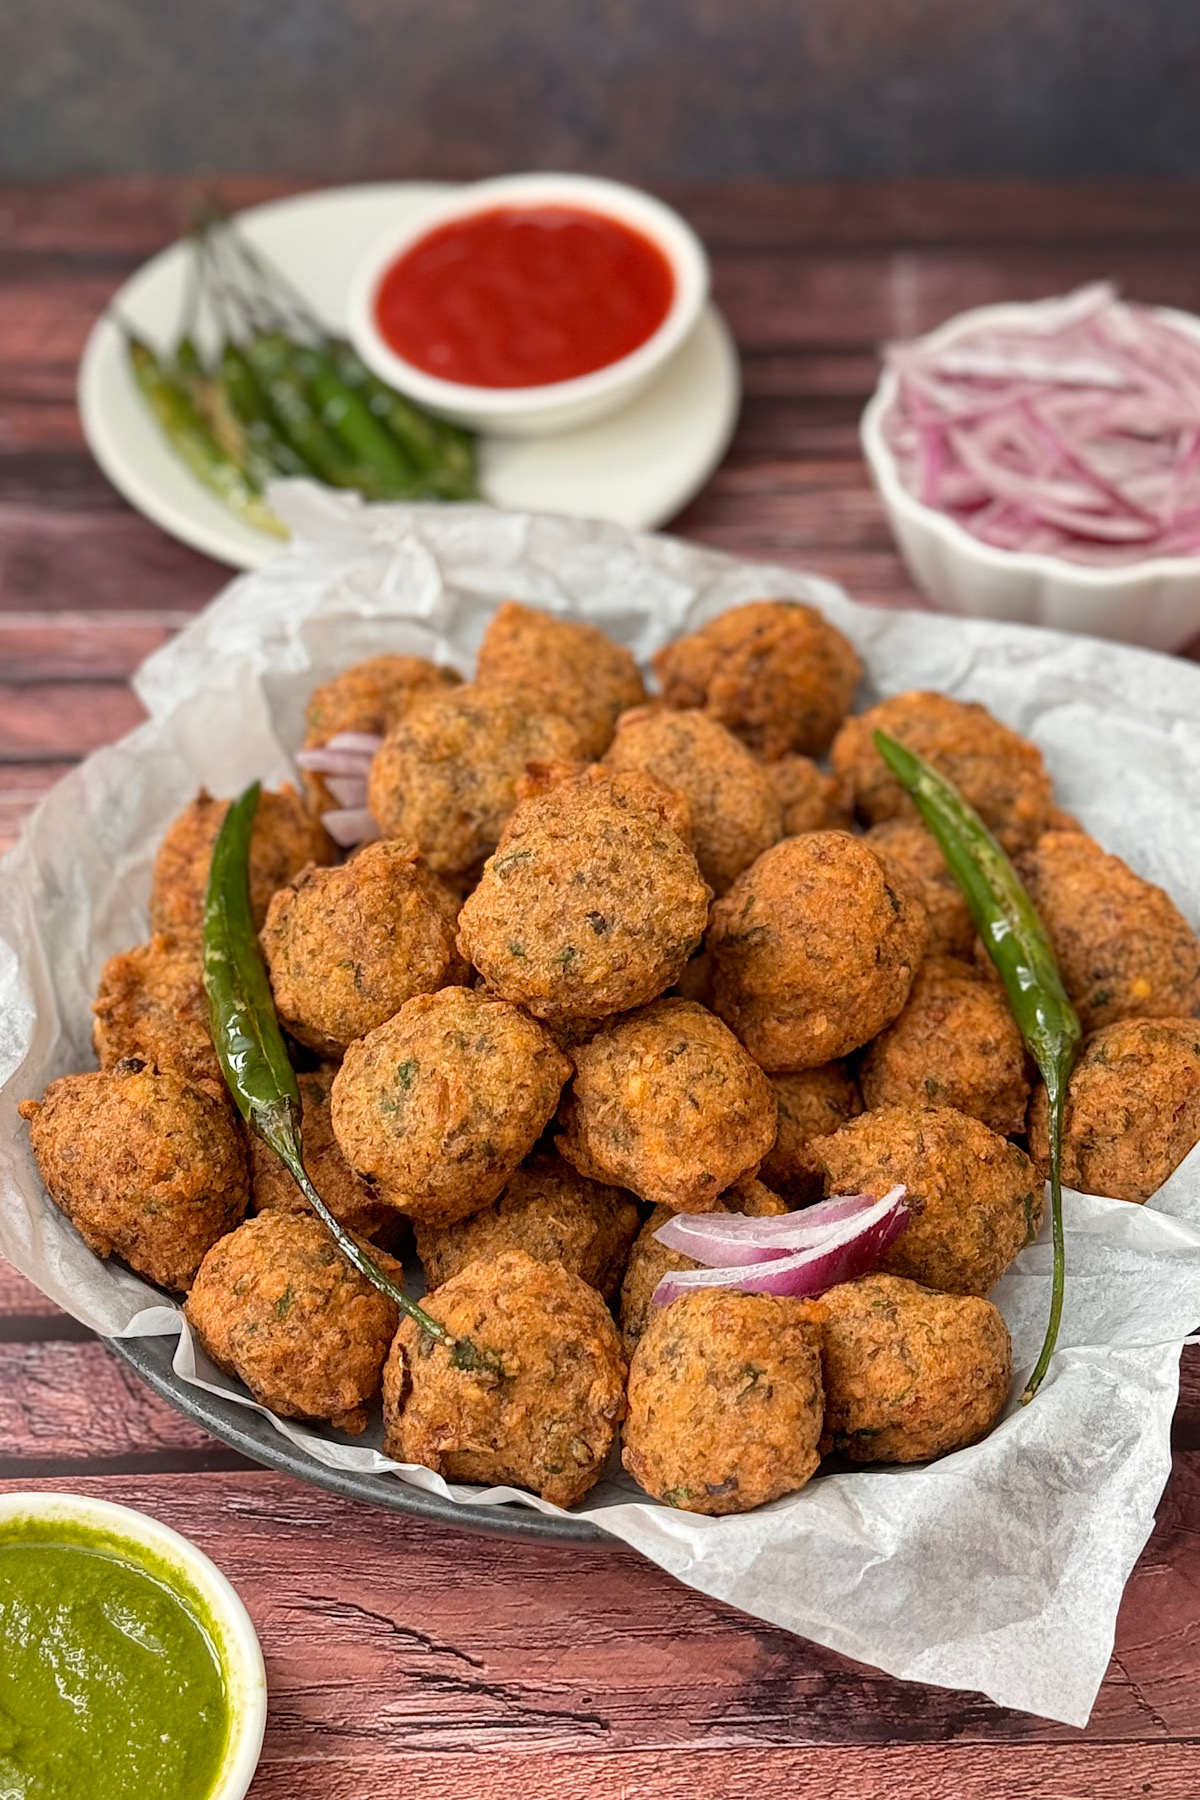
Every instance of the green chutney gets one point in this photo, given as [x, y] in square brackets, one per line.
[111, 1683]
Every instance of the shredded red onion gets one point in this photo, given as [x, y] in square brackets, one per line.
[1074, 433]
[818, 1257]
[350, 826]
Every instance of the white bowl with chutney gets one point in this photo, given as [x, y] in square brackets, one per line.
[529, 304]
[128, 1664]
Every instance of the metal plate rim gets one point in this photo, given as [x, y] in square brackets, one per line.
[234, 1426]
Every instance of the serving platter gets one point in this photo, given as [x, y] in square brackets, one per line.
[998, 1568]
[637, 467]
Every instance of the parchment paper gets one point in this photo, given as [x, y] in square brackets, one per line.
[999, 1568]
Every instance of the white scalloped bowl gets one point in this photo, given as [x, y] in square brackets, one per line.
[1155, 603]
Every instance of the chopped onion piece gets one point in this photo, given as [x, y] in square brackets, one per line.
[729, 1239]
[350, 826]
[363, 743]
[1071, 432]
[350, 791]
[846, 1250]
[334, 762]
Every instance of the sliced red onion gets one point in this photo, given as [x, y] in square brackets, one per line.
[361, 743]
[735, 1239]
[849, 1249]
[350, 826]
[325, 761]
[1072, 432]
[350, 791]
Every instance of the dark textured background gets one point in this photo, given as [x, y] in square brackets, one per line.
[661, 90]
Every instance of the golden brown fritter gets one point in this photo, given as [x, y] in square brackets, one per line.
[666, 1102]
[976, 1199]
[549, 1422]
[591, 905]
[348, 1198]
[370, 696]
[809, 799]
[438, 1106]
[1001, 774]
[649, 1260]
[1124, 949]
[955, 1044]
[346, 947]
[147, 1166]
[152, 1006]
[277, 1304]
[1132, 1111]
[286, 836]
[552, 1213]
[446, 776]
[776, 673]
[725, 1401]
[812, 1103]
[917, 851]
[570, 667]
[814, 949]
[734, 813]
[910, 1374]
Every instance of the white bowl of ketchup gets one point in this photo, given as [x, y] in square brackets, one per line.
[529, 304]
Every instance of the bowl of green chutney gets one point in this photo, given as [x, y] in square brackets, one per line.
[128, 1665]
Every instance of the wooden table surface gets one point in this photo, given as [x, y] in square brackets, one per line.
[404, 1660]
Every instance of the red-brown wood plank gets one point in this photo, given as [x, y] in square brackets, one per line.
[64, 718]
[389, 1639]
[81, 646]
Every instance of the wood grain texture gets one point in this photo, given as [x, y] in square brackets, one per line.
[387, 1642]
[410, 1661]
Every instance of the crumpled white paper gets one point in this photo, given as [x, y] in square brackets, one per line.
[999, 1568]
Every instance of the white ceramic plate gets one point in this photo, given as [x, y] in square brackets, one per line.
[638, 467]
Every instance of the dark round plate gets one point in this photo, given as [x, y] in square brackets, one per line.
[256, 1437]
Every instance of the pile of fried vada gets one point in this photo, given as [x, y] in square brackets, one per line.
[614, 955]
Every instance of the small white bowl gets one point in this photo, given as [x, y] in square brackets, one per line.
[560, 405]
[237, 1645]
[1155, 603]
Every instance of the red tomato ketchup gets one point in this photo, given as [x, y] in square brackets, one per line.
[524, 296]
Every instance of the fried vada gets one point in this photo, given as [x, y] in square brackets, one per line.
[438, 1106]
[592, 903]
[346, 947]
[570, 666]
[146, 1166]
[1124, 949]
[910, 1374]
[285, 837]
[735, 815]
[667, 1103]
[812, 1103]
[814, 950]
[1132, 1109]
[725, 1401]
[649, 1260]
[955, 1044]
[553, 1214]
[548, 1421]
[151, 1005]
[1001, 774]
[975, 1199]
[276, 1304]
[775, 673]
[445, 777]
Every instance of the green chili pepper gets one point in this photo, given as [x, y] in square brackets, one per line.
[444, 453]
[255, 1062]
[1016, 940]
[344, 411]
[272, 357]
[190, 436]
[249, 408]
